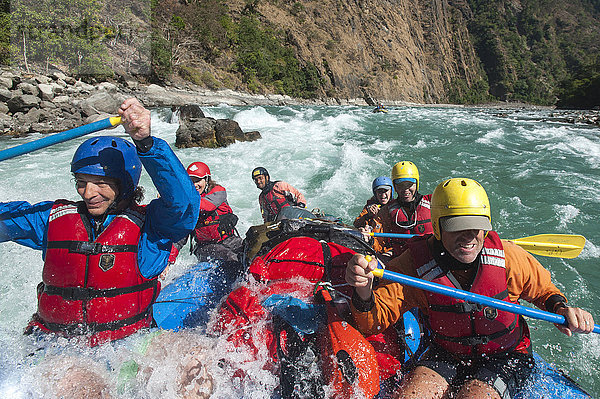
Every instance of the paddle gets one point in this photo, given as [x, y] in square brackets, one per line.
[59, 137]
[471, 297]
[553, 245]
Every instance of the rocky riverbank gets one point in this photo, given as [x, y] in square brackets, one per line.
[56, 102]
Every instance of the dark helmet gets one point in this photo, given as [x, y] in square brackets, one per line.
[111, 157]
[260, 171]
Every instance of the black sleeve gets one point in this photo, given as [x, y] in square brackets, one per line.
[360, 304]
[555, 302]
[144, 144]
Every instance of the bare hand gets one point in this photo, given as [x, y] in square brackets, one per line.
[580, 321]
[365, 232]
[359, 276]
[373, 209]
[135, 119]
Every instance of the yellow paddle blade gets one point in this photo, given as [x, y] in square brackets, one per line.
[554, 245]
[115, 120]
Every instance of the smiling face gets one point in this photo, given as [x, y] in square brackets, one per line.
[463, 245]
[260, 181]
[98, 192]
[383, 195]
[406, 190]
[199, 183]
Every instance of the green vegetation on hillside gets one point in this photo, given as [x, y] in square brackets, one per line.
[583, 89]
[67, 34]
[536, 51]
[262, 57]
[527, 48]
[459, 92]
[186, 35]
[4, 32]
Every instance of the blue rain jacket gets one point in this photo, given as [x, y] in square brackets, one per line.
[169, 218]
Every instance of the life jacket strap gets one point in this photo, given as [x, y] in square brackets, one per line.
[90, 248]
[466, 307]
[93, 328]
[87, 293]
[478, 339]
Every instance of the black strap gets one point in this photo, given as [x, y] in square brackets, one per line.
[462, 307]
[92, 328]
[466, 307]
[326, 261]
[479, 339]
[90, 248]
[87, 293]
[296, 261]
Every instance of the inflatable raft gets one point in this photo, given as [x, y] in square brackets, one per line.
[188, 301]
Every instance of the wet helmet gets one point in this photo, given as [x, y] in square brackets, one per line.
[111, 157]
[405, 171]
[199, 170]
[383, 181]
[460, 197]
[260, 171]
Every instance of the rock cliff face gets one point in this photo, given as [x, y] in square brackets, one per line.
[403, 50]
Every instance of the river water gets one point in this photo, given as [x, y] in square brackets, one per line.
[541, 177]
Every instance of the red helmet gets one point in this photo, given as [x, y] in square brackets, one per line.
[198, 169]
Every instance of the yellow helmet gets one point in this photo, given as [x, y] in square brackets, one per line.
[460, 197]
[406, 170]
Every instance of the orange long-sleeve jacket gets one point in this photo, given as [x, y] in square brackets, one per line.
[526, 279]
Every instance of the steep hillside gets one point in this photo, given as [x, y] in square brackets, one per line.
[425, 51]
[411, 50]
[403, 50]
[385, 50]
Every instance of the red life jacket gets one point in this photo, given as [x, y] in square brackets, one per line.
[93, 287]
[302, 257]
[464, 328]
[271, 202]
[419, 223]
[207, 229]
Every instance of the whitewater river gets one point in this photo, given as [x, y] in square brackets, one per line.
[541, 177]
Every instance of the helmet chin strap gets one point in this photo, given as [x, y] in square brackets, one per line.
[205, 191]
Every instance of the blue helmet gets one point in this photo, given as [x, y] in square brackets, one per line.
[111, 157]
[383, 181]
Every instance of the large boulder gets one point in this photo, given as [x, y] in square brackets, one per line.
[6, 82]
[22, 102]
[190, 113]
[102, 103]
[5, 94]
[228, 132]
[28, 88]
[195, 130]
[200, 133]
[46, 92]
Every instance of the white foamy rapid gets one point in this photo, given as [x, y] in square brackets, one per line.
[541, 178]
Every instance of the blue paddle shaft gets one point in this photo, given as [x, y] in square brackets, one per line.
[55, 139]
[394, 235]
[476, 298]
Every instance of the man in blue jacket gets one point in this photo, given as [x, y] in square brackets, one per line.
[102, 255]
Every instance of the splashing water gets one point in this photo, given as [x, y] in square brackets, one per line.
[542, 177]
